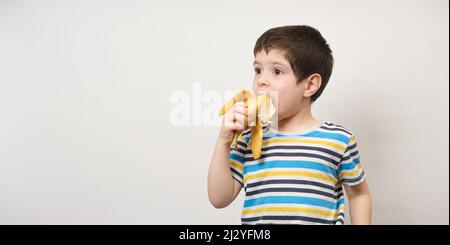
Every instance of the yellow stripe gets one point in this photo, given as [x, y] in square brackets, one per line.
[318, 142]
[352, 138]
[292, 173]
[292, 209]
[236, 165]
[240, 137]
[353, 173]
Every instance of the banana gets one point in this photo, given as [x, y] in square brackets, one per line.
[260, 109]
[256, 140]
[240, 96]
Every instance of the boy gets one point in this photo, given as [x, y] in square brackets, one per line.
[306, 162]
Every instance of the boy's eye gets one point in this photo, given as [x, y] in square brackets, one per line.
[258, 70]
[278, 71]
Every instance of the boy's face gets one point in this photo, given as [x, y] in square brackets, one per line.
[274, 73]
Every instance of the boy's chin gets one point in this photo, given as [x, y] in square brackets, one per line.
[281, 116]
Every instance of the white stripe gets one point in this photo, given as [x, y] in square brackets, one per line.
[283, 143]
[317, 152]
[283, 177]
[320, 139]
[324, 130]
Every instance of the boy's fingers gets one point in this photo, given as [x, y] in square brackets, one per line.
[240, 108]
[231, 122]
[238, 126]
[237, 110]
[240, 118]
[236, 119]
[240, 103]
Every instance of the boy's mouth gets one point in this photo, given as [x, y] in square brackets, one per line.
[268, 107]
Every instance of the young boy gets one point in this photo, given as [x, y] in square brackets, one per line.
[306, 162]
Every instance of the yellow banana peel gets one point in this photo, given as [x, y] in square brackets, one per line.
[260, 109]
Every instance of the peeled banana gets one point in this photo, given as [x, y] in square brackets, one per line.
[260, 109]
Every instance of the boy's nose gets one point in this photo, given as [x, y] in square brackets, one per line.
[263, 82]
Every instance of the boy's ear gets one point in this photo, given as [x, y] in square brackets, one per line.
[312, 84]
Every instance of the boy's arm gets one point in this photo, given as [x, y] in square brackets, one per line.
[222, 187]
[360, 203]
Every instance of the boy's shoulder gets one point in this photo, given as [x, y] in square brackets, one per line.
[338, 128]
[329, 125]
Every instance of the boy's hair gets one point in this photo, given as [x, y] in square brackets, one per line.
[305, 49]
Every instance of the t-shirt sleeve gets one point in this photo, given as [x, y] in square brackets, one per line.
[350, 171]
[237, 159]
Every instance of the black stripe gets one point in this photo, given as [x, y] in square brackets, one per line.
[242, 144]
[354, 154]
[340, 220]
[246, 132]
[294, 154]
[242, 151]
[336, 125]
[238, 180]
[291, 181]
[301, 190]
[330, 124]
[351, 155]
[301, 218]
[273, 224]
[336, 129]
[355, 179]
[351, 147]
[346, 158]
[236, 172]
[299, 147]
[339, 195]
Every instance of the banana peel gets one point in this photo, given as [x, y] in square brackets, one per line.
[260, 109]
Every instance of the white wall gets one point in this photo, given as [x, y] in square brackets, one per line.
[85, 87]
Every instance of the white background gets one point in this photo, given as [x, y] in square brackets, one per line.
[85, 87]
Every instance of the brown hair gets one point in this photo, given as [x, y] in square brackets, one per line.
[305, 49]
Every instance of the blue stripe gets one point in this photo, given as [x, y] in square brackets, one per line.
[339, 137]
[348, 166]
[341, 202]
[289, 164]
[290, 200]
[315, 134]
[237, 157]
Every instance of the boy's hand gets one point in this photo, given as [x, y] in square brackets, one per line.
[234, 121]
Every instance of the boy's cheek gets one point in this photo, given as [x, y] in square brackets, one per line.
[280, 108]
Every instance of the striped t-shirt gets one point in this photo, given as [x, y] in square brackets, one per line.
[299, 177]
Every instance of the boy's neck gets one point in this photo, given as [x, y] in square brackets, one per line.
[302, 120]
